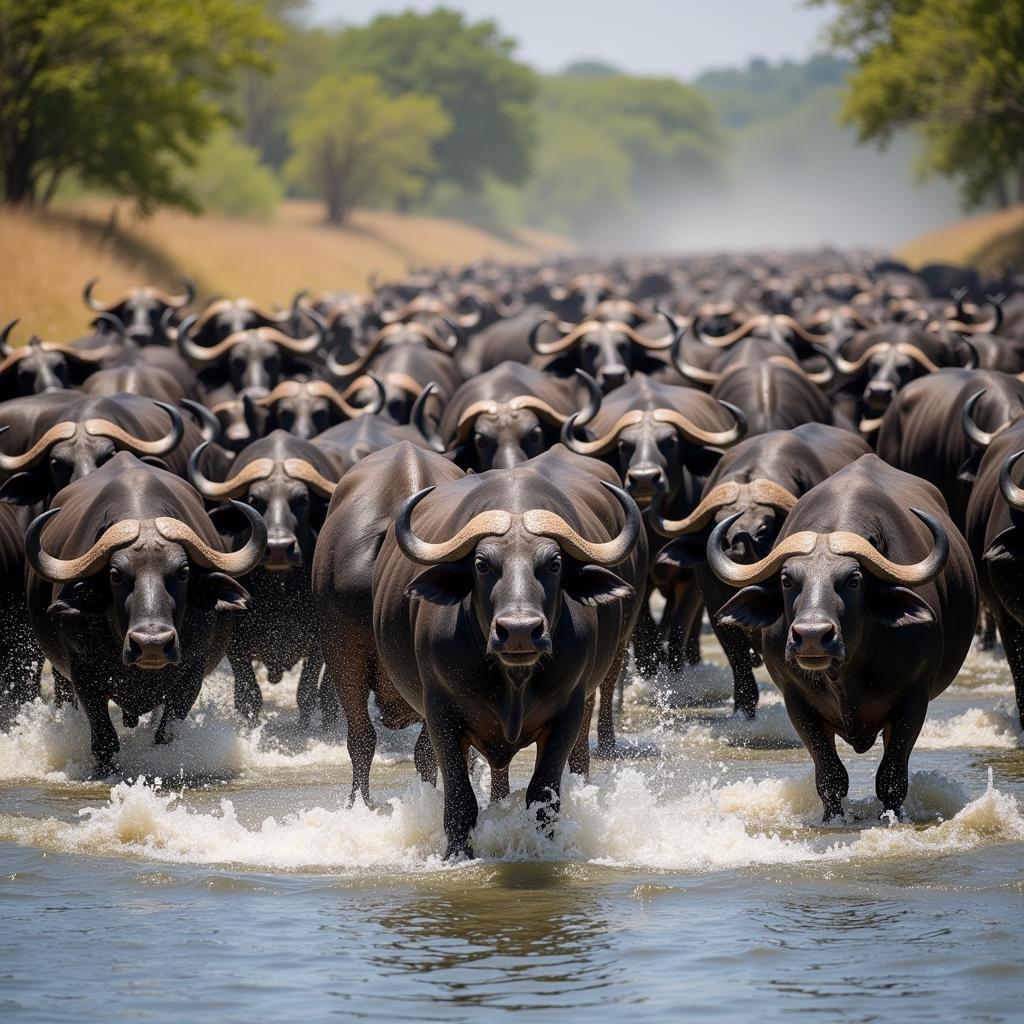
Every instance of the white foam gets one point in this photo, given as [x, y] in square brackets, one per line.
[976, 727]
[619, 819]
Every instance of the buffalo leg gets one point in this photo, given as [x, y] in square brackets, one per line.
[736, 645]
[423, 757]
[460, 807]
[248, 699]
[986, 631]
[308, 688]
[553, 749]
[177, 707]
[500, 788]
[900, 735]
[682, 630]
[1012, 633]
[605, 716]
[579, 756]
[63, 691]
[103, 736]
[351, 674]
[830, 776]
[646, 641]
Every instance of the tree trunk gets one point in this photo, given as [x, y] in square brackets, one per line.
[19, 186]
[1002, 193]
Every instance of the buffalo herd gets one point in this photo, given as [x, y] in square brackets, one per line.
[473, 500]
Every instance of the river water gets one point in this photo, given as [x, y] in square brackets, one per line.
[224, 879]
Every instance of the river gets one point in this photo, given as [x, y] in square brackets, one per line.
[223, 879]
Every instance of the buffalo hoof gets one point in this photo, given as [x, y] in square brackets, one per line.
[459, 850]
[832, 811]
[367, 801]
[103, 769]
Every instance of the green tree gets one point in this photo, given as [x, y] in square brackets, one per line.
[353, 143]
[953, 69]
[117, 91]
[488, 96]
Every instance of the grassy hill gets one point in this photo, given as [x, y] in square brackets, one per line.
[50, 256]
[990, 242]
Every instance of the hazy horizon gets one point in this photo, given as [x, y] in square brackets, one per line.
[645, 37]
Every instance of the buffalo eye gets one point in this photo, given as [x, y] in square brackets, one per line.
[787, 582]
[853, 582]
[183, 572]
[481, 566]
[671, 441]
[116, 576]
[555, 565]
[625, 446]
[535, 436]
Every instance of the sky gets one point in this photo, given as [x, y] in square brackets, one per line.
[681, 38]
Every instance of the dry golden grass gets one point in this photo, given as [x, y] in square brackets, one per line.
[46, 262]
[53, 255]
[966, 241]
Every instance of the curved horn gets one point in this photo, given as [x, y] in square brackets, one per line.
[914, 575]
[234, 563]
[5, 334]
[698, 435]
[849, 368]
[208, 423]
[138, 445]
[492, 523]
[738, 575]
[258, 469]
[371, 408]
[300, 469]
[113, 322]
[718, 497]
[1013, 495]
[64, 570]
[544, 523]
[822, 377]
[300, 346]
[540, 347]
[180, 301]
[418, 418]
[978, 437]
[725, 340]
[62, 431]
[97, 307]
[687, 370]
[458, 335]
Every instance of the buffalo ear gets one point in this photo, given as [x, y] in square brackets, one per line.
[898, 606]
[218, 592]
[447, 583]
[82, 596]
[686, 552]
[25, 488]
[968, 471]
[701, 461]
[594, 585]
[755, 607]
[1005, 547]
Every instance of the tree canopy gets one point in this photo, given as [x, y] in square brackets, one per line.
[120, 92]
[352, 142]
[953, 69]
[469, 67]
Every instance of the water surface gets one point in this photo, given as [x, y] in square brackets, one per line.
[224, 878]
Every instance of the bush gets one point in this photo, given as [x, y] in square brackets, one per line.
[228, 178]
